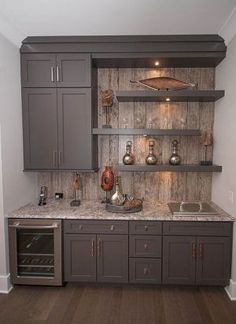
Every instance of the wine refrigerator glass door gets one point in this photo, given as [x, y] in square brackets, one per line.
[35, 251]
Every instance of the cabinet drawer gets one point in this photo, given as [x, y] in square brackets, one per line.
[145, 270]
[145, 246]
[198, 228]
[100, 227]
[145, 227]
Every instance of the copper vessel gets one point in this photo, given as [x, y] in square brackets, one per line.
[165, 83]
[107, 179]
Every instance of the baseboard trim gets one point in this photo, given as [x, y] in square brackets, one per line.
[5, 284]
[231, 290]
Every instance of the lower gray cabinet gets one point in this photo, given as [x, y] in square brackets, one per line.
[193, 260]
[91, 257]
[179, 260]
[213, 260]
[112, 258]
[80, 257]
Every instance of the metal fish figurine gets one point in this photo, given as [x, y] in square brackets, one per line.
[165, 83]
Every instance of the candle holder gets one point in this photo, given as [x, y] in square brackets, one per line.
[107, 103]
[206, 140]
[107, 182]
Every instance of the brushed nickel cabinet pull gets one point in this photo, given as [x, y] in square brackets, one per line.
[145, 246]
[201, 250]
[81, 227]
[112, 227]
[58, 74]
[54, 158]
[59, 158]
[194, 250]
[99, 248]
[146, 228]
[93, 252]
[145, 271]
[52, 74]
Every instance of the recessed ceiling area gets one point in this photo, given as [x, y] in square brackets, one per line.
[107, 17]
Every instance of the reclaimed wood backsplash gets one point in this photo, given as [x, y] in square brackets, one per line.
[163, 186]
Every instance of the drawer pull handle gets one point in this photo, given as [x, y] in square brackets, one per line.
[146, 228]
[145, 271]
[112, 227]
[145, 246]
[81, 227]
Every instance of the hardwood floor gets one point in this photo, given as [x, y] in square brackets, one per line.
[93, 304]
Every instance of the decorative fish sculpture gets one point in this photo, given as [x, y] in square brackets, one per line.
[165, 83]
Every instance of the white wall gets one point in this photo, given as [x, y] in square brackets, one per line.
[16, 188]
[225, 140]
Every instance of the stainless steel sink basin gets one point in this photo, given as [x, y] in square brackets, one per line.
[192, 209]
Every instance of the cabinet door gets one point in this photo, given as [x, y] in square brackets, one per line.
[40, 128]
[73, 70]
[75, 133]
[213, 262]
[80, 257]
[179, 259]
[112, 258]
[38, 70]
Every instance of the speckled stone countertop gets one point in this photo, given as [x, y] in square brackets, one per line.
[95, 210]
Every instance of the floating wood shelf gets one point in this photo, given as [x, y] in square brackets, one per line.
[169, 168]
[146, 132]
[173, 95]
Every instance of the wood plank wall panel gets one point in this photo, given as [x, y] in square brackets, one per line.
[151, 186]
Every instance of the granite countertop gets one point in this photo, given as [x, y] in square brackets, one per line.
[60, 209]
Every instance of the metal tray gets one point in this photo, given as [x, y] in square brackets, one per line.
[120, 209]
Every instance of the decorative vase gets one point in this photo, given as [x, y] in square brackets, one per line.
[128, 158]
[107, 181]
[118, 198]
[175, 158]
[151, 159]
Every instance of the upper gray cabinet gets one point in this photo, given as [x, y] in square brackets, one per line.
[56, 70]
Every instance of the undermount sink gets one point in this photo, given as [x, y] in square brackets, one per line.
[192, 209]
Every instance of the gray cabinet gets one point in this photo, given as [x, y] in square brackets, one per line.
[191, 258]
[179, 257]
[73, 70]
[112, 258]
[56, 70]
[40, 128]
[57, 129]
[80, 257]
[213, 260]
[38, 70]
[95, 257]
[74, 129]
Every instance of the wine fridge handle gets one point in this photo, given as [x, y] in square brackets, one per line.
[18, 225]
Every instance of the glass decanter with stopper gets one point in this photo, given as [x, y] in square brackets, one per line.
[151, 159]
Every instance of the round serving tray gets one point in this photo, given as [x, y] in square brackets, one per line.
[120, 209]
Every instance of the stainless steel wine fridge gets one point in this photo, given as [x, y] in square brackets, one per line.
[35, 251]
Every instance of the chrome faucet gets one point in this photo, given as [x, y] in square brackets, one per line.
[43, 196]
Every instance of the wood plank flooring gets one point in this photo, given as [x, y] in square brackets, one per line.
[96, 304]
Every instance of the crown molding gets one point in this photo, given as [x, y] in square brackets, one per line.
[228, 30]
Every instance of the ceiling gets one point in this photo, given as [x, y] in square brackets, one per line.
[21, 18]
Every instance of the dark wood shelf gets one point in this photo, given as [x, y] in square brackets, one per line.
[173, 95]
[146, 132]
[169, 168]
